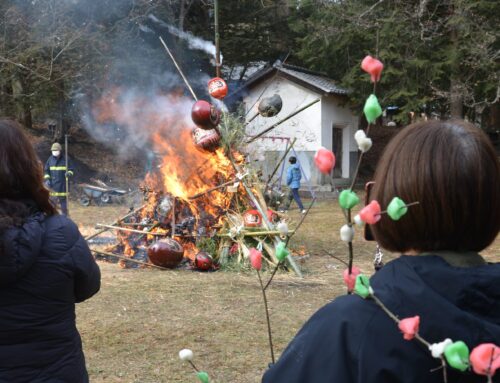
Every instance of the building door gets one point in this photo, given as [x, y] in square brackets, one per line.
[337, 132]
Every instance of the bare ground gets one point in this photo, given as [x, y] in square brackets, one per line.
[134, 328]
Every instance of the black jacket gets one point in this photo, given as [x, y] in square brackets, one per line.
[55, 173]
[353, 340]
[45, 267]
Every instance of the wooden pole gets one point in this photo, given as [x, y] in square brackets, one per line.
[288, 240]
[111, 227]
[223, 185]
[267, 223]
[255, 233]
[280, 161]
[172, 223]
[178, 69]
[67, 169]
[267, 130]
[133, 212]
[217, 38]
[127, 259]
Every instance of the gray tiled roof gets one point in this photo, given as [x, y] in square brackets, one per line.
[302, 75]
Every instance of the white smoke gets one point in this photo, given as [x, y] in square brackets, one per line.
[133, 116]
[193, 41]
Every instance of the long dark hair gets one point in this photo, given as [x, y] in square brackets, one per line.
[21, 177]
[452, 170]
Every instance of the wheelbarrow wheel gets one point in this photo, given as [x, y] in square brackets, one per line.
[84, 201]
[105, 198]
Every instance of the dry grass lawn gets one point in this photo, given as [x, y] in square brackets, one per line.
[134, 328]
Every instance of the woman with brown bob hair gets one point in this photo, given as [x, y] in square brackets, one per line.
[452, 170]
[45, 268]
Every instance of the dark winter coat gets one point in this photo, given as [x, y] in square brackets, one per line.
[55, 174]
[45, 268]
[353, 340]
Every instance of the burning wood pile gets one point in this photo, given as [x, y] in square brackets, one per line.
[204, 203]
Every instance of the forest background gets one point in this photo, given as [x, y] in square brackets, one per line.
[442, 57]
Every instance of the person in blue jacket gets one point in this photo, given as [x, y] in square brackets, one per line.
[293, 177]
[45, 268]
[452, 170]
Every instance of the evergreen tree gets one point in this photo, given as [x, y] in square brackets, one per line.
[440, 55]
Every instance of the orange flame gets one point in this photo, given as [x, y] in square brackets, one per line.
[184, 172]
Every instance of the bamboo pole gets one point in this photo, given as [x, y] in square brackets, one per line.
[67, 170]
[288, 240]
[127, 259]
[172, 224]
[266, 222]
[178, 68]
[217, 38]
[89, 237]
[282, 121]
[111, 227]
[254, 233]
[223, 185]
[252, 118]
[280, 161]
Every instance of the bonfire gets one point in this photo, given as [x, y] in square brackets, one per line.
[203, 200]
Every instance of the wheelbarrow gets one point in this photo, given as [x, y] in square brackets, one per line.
[102, 194]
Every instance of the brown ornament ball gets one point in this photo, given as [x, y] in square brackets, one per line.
[203, 261]
[206, 140]
[166, 252]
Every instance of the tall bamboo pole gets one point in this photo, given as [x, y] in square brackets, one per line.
[217, 38]
[178, 69]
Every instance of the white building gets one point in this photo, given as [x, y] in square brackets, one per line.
[329, 123]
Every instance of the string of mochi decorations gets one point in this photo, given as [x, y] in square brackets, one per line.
[186, 355]
[484, 358]
[348, 199]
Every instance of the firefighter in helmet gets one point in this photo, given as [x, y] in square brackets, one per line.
[55, 174]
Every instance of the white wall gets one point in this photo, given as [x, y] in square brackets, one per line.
[312, 127]
[305, 126]
[334, 113]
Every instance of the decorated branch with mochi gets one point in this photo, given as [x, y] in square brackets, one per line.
[348, 199]
[484, 358]
[187, 355]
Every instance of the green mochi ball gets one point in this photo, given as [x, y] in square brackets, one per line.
[203, 376]
[362, 286]
[372, 109]
[281, 251]
[457, 355]
[397, 208]
[348, 199]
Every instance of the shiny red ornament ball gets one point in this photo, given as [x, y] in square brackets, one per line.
[206, 140]
[252, 218]
[166, 252]
[203, 261]
[217, 88]
[205, 115]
